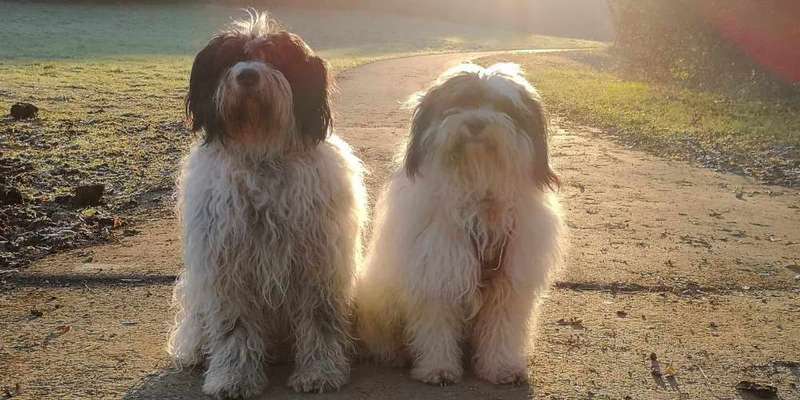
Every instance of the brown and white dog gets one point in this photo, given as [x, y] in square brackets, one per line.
[466, 234]
[272, 206]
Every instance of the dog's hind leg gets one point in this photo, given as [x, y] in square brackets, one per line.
[378, 322]
[187, 337]
[382, 338]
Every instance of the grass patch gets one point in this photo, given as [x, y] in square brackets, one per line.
[751, 136]
[98, 119]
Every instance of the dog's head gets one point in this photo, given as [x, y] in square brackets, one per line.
[257, 85]
[480, 122]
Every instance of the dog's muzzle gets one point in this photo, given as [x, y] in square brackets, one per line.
[248, 77]
[474, 126]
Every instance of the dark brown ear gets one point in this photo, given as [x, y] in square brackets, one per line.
[416, 152]
[535, 124]
[208, 68]
[312, 109]
[427, 111]
[424, 115]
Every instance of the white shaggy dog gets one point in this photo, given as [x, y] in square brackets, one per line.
[467, 234]
[272, 208]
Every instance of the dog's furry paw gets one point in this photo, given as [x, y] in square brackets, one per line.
[313, 380]
[230, 385]
[503, 376]
[437, 376]
[187, 360]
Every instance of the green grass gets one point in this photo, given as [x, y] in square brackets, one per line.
[751, 135]
[115, 122]
[94, 31]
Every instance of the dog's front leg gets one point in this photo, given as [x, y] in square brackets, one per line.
[236, 349]
[435, 328]
[501, 334]
[321, 339]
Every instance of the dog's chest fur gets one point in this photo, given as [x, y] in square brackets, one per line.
[263, 223]
[265, 194]
[489, 228]
[274, 206]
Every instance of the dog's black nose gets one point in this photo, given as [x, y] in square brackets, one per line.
[247, 77]
[475, 126]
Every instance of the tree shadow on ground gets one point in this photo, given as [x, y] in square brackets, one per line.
[367, 382]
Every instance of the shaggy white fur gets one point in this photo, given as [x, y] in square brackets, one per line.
[467, 237]
[270, 251]
[272, 207]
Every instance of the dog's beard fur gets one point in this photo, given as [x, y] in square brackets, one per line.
[259, 118]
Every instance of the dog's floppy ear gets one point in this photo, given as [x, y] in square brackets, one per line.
[312, 109]
[536, 126]
[207, 69]
[421, 120]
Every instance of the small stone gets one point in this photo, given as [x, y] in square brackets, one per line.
[88, 195]
[10, 195]
[758, 390]
[24, 111]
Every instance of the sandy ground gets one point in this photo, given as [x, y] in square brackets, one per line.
[700, 268]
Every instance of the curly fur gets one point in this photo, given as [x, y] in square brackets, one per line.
[467, 234]
[271, 232]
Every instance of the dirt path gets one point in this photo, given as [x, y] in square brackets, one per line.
[697, 267]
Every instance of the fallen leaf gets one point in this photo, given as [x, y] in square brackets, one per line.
[117, 222]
